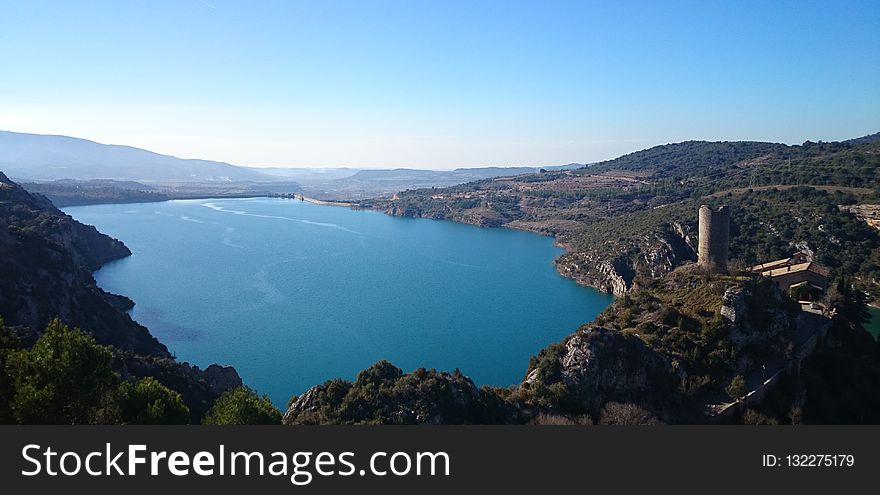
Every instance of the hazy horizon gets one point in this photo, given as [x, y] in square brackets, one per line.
[332, 167]
[429, 86]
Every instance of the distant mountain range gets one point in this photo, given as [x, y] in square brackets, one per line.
[35, 158]
[55, 161]
[364, 184]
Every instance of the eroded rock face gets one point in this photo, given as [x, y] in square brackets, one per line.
[733, 308]
[46, 258]
[306, 404]
[598, 365]
[764, 328]
[869, 213]
[613, 277]
[655, 256]
[479, 216]
[221, 378]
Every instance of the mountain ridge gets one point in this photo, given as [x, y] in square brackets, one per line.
[41, 156]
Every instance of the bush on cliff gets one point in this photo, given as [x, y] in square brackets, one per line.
[148, 402]
[383, 394]
[65, 378]
[8, 342]
[242, 406]
[619, 414]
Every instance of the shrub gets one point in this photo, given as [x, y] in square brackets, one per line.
[242, 406]
[736, 388]
[618, 414]
[558, 420]
[65, 378]
[148, 402]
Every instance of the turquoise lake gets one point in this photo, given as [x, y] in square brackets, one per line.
[293, 294]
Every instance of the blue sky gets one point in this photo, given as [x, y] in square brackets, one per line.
[437, 84]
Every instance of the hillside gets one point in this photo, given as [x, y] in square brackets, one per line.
[364, 184]
[766, 225]
[36, 157]
[47, 259]
[71, 192]
[47, 263]
[72, 171]
[689, 158]
[637, 214]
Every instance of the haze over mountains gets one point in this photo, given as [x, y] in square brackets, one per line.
[46, 158]
[36, 157]
[78, 171]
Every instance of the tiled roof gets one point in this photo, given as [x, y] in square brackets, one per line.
[800, 267]
[769, 265]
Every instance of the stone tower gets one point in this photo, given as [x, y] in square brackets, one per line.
[714, 237]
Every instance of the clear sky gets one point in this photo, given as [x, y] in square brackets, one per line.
[437, 84]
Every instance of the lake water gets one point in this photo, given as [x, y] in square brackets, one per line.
[293, 294]
[873, 326]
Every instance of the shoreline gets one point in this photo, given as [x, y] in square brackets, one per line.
[327, 203]
[207, 196]
[565, 246]
[174, 198]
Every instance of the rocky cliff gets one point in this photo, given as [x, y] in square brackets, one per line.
[652, 255]
[596, 366]
[608, 263]
[479, 216]
[46, 261]
[383, 394]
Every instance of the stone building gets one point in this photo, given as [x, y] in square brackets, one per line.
[798, 275]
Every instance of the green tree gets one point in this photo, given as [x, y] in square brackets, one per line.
[752, 417]
[242, 406]
[65, 378]
[148, 402]
[8, 342]
[737, 387]
[850, 304]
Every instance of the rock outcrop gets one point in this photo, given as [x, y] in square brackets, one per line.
[597, 366]
[653, 256]
[383, 394]
[221, 378]
[479, 216]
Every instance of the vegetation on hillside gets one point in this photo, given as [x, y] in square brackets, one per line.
[70, 193]
[839, 382]
[383, 394]
[766, 225]
[66, 378]
[242, 406]
[690, 158]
